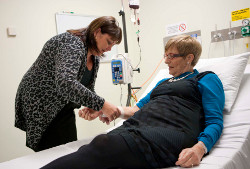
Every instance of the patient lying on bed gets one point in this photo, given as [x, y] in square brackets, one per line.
[175, 124]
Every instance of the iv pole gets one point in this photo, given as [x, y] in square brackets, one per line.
[122, 13]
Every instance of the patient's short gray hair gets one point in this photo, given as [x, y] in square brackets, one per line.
[185, 45]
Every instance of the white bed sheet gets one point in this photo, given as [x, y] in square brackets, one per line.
[230, 152]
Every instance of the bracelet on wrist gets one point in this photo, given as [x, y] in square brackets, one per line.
[204, 146]
[122, 111]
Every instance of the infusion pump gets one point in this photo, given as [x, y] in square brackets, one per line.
[122, 70]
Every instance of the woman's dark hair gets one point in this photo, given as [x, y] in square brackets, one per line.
[107, 24]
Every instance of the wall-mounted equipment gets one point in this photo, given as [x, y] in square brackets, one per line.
[245, 31]
[224, 33]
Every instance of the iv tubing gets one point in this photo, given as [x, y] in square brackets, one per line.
[149, 76]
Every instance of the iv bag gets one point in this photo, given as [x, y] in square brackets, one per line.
[134, 4]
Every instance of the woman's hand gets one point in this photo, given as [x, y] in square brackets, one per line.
[190, 157]
[89, 114]
[124, 113]
[111, 111]
[104, 119]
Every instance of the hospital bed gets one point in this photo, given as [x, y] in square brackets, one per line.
[232, 151]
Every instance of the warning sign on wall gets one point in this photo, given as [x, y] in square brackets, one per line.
[240, 14]
[176, 28]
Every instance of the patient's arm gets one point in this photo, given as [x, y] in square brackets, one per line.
[190, 157]
[129, 111]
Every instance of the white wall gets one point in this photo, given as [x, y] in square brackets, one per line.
[34, 21]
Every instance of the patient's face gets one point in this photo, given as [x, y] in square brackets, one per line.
[176, 65]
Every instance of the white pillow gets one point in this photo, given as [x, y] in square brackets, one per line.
[230, 71]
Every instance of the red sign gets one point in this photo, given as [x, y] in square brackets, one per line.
[182, 27]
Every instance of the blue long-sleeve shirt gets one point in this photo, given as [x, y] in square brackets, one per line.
[213, 100]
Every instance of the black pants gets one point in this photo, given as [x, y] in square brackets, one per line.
[61, 130]
[104, 152]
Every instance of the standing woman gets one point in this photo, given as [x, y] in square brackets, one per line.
[62, 79]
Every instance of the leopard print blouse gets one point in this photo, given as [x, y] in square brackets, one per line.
[52, 82]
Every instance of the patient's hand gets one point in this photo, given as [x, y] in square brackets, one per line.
[89, 114]
[190, 157]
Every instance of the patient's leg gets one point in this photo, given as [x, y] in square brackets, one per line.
[104, 152]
